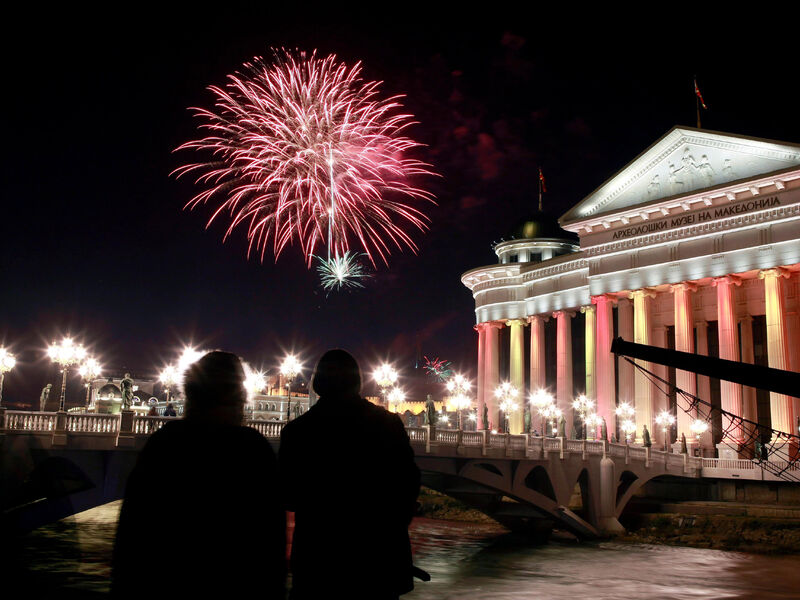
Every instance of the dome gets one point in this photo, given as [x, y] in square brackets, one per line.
[109, 390]
[541, 225]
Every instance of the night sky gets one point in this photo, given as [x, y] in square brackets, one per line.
[95, 241]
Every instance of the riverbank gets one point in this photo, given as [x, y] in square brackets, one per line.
[433, 505]
[762, 535]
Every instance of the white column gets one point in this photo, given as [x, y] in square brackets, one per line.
[704, 384]
[492, 376]
[643, 388]
[481, 329]
[780, 405]
[749, 399]
[660, 399]
[625, 328]
[730, 392]
[516, 420]
[538, 373]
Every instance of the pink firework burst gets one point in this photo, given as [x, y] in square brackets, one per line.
[302, 149]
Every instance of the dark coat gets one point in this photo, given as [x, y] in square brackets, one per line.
[350, 477]
[213, 522]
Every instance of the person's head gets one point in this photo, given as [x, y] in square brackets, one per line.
[214, 388]
[337, 375]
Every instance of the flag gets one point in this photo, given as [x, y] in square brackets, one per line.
[541, 180]
[699, 95]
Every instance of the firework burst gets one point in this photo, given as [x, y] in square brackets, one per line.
[301, 149]
[438, 368]
[341, 272]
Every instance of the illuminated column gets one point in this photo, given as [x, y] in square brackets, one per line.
[538, 377]
[625, 328]
[660, 399]
[481, 329]
[517, 367]
[604, 364]
[780, 405]
[564, 360]
[684, 342]
[492, 373]
[703, 382]
[731, 393]
[590, 345]
[749, 399]
[643, 388]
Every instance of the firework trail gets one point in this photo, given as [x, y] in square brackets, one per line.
[341, 272]
[301, 149]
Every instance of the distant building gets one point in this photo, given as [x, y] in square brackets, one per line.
[694, 245]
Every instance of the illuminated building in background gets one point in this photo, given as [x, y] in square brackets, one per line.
[694, 246]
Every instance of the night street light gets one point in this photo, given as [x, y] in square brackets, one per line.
[395, 397]
[551, 413]
[540, 400]
[626, 413]
[89, 371]
[385, 376]
[584, 406]
[458, 387]
[665, 420]
[254, 384]
[593, 421]
[507, 394]
[65, 354]
[698, 427]
[169, 377]
[290, 368]
[7, 362]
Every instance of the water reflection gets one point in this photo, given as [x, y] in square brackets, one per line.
[465, 560]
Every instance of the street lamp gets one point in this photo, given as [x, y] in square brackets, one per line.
[626, 412]
[254, 383]
[665, 420]
[593, 420]
[551, 413]
[698, 427]
[584, 406]
[7, 362]
[395, 397]
[290, 368]
[385, 376]
[65, 354]
[507, 394]
[169, 377]
[473, 417]
[89, 371]
[541, 400]
[458, 386]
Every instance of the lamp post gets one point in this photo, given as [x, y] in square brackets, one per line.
[169, 377]
[584, 406]
[290, 368]
[473, 418]
[626, 412]
[395, 397]
[507, 394]
[698, 427]
[550, 413]
[385, 376]
[7, 362]
[65, 354]
[541, 400]
[594, 421]
[665, 420]
[254, 383]
[458, 386]
[89, 371]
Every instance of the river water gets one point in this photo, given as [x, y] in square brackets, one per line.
[474, 561]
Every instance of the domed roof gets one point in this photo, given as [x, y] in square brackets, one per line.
[109, 390]
[541, 225]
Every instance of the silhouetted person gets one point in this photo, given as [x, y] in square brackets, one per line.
[226, 534]
[349, 475]
[170, 411]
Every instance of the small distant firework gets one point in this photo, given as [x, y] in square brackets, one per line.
[342, 271]
[438, 368]
[302, 149]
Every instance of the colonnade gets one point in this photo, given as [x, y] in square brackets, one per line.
[634, 321]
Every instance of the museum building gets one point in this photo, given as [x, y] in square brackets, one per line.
[693, 246]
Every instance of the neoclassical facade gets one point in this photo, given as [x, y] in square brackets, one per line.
[694, 245]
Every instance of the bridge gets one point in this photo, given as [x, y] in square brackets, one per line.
[53, 465]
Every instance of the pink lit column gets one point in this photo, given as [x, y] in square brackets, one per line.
[606, 390]
[625, 328]
[731, 393]
[780, 405]
[538, 380]
[660, 399]
[564, 360]
[643, 388]
[684, 342]
[704, 383]
[492, 374]
[481, 329]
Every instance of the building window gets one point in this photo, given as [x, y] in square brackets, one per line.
[513, 258]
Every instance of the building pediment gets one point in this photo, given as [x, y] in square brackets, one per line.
[683, 161]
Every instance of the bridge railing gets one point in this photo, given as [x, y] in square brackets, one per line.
[269, 429]
[18, 420]
[92, 423]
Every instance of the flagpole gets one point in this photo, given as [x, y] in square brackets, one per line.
[697, 101]
[540, 191]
